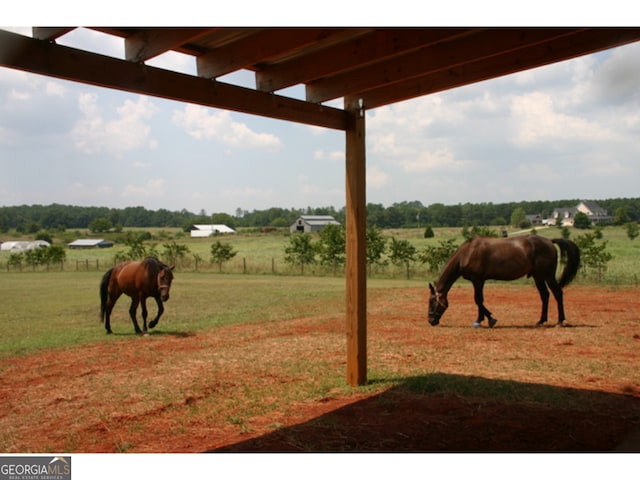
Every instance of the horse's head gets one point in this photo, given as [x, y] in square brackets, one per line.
[438, 304]
[165, 277]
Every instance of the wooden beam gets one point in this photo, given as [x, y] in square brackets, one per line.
[151, 42]
[583, 42]
[50, 33]
[356, 244]
[357, 45]
[431, 58]
[38, 56]
[261, 46]
[370, 46]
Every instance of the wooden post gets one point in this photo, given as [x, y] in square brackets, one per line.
[356, 263]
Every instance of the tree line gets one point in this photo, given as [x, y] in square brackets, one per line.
[33, 218]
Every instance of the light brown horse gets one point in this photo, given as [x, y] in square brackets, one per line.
[139, 280]
[485, 258]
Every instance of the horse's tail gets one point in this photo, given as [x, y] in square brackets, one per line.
[571, 254]
[104, 293]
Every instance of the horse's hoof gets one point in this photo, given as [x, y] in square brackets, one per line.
[109, 332]
[476, 324]
[492, 322]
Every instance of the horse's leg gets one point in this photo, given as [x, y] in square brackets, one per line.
[143, 302]
[111, 302]
[544, 297]
[478, 295]
[132, 312]
[155, 321]
[557, 294]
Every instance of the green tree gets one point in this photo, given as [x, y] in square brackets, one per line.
[331, 247]
[437, 256]
[45, 236]
[519, 218]
[621, 217]
[15, 260]
[35, 257]
[173, 252]
[300, 251]
[376, 246]
[632, 230]
[402, 252]
[55, 254]
[222, 252]
[593, 256]
[223, 219]
[100, 225]
[136, 249]
[428, 232]
[581, 221]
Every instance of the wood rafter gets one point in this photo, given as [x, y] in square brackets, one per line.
[481, 45]
[151, 42]
[71, 64]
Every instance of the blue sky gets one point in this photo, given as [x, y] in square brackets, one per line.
[569, 130]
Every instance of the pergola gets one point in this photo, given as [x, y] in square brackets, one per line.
[366, 67]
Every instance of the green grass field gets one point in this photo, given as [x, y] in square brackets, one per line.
[59, 309]
[49, 308]
[259, 253]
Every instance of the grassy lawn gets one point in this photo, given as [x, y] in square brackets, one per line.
[58, 309]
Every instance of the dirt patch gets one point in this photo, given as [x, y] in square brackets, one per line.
[272, 386]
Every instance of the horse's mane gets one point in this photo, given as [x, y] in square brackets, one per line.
[154, 264]
[451, 271]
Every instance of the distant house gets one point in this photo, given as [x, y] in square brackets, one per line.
[592, 210]
[312, 223]
[202, 231]
[90, 243]
[17, 247]
[535, 219]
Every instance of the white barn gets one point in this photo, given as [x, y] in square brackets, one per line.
[202, 231]
[16, 246]
[90, 243]
[312, 223]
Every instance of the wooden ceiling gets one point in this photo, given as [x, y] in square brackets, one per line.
[376, 66]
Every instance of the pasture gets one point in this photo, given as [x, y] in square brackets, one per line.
[257, 363]
[259, 253]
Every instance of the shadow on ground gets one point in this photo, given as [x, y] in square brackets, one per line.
[453, 413]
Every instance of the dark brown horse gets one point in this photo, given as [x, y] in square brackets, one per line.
[486, 258]
[139, 280]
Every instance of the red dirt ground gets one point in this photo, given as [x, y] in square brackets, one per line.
[196, 392]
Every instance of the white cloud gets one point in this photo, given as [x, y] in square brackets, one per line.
[536, 122]
[154, 187]
[55, 88]
[334, 156]
[442, 159]
[377, 178]
[19, 95]
[206, 124]
[128, 131]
